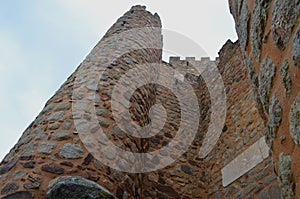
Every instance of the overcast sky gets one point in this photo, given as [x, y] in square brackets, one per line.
[42, 42]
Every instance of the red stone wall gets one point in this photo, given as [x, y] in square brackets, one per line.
[268, 31]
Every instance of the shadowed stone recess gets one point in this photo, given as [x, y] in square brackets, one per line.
[284, 17]
[8, 166]
[19, 195]
[8, 188]
[75, 187]
[295, 120]
[253, 77]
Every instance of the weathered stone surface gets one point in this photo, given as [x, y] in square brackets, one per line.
[19, 195]
[269, 179]
[8, 188]
[285, 176]
[56, 116]
[71, 151]
[110, 153]
[29, 165]
[8, 166]
[285, 77]
[93, 87]
[47, 147]
[31, 186]
[66, 163]
[29, 148]
[167, 190]
[244, 192]
[67, 125]
[264, 195]
[259, 21]
[266, 79]
[62, 135]
[186, 169]
[75, 187]
[25, 158]
[41, 136]
[296, 46]
[101, 112]
[275, 113]
[274, 192]
[242, 26]
[284, 17]
[103, 122]
[295, 120]
[53, 168]
[35, 179]
[88, 159]
[53, 126]
[253, 77]
[18, 175]
[117, 131]
[63, 106]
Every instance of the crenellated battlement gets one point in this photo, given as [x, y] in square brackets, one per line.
[203, 60]
[190, 65]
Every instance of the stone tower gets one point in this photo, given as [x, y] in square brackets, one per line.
[51, 147]
[91, 138]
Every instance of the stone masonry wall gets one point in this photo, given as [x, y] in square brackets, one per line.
[259, 72]
[50, 147]
[243, 127]
[268, 32]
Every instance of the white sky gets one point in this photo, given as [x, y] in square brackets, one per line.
[42, 42]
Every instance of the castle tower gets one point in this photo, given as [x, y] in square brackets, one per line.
[51, 146]
[115, 128]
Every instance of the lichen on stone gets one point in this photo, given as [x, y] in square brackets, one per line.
[285, 77]
[275, 113]
[266, 79]
[259, 21]
[295, 120]
[296, 47]
[243, 26]
[285, 176]
[284, 17]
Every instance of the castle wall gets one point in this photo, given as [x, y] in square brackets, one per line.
[243, 128]
[269, 38]
[259, 74]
